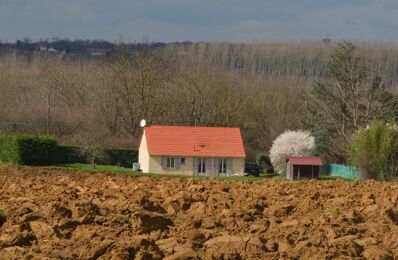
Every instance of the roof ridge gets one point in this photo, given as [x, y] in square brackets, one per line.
[188, 126]
[305, 156]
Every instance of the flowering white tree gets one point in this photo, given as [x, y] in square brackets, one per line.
[290, 143]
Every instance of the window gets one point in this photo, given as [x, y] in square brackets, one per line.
[170, 162]
[202, 165]
[222, 167]
[183, 160]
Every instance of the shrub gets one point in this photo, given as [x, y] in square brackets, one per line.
[375, 151]
[120, 157]
[290, 143]
[111, 156]
[367, 163]
[9, 150]
[69, 154]
[27, 149]
[264, 163]
[43, 150]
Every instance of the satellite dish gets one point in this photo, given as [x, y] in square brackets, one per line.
[143, 123]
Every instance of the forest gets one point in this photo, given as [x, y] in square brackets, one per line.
[263, 88]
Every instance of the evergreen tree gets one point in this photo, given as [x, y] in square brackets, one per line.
[348, 98]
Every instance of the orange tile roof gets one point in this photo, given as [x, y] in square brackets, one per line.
[194, 141]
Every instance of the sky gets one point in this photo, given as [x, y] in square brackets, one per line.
[199, 20]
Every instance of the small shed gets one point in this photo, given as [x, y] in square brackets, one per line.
[303, 167]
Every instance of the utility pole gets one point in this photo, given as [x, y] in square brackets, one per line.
[48, 130]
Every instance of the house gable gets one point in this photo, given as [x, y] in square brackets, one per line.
[143, 155]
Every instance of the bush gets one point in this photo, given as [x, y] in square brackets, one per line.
[290, 143]
[264, 163]
[69, 154]
[27, 149]
[120, 157]
[367, 163]
[9, 150]
[375, 151]
[111, 156]
[43, 150]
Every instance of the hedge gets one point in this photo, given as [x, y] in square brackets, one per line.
[120, 157]
[111, 156]
[27, 149]
[69, 154]
[44, 150]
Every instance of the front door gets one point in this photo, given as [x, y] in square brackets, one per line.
[201, 166]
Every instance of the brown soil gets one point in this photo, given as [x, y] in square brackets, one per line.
[70, 215]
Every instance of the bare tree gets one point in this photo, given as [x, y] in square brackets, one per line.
[92, 138]
[135, 83]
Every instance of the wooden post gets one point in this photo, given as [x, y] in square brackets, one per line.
[312, 170]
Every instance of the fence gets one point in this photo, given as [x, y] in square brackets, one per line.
[342, 171]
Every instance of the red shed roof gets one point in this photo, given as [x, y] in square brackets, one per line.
[305, 160]
[194, 141]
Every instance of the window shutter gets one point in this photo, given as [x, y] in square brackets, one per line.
[209, 167]
[177, 162]
[229, 166]
[195, 166]
[164, 162]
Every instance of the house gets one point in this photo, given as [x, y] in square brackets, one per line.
[188, 150]
[51, 49]
[303, 167]
[98, 51]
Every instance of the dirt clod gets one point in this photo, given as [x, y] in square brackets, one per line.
[392, 215]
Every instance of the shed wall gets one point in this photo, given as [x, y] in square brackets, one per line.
[305, 172]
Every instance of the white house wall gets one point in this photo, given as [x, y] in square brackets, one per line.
[143, 155]
[155, 166]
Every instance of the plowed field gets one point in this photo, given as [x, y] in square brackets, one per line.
[55, 214]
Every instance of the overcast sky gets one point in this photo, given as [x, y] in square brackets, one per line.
[199, 20]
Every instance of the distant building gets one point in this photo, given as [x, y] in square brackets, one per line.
[98, 51]
[327, 40]
[45, 49]
[51, 49]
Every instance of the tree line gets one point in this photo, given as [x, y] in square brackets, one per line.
[99, 103]
[300, 59]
